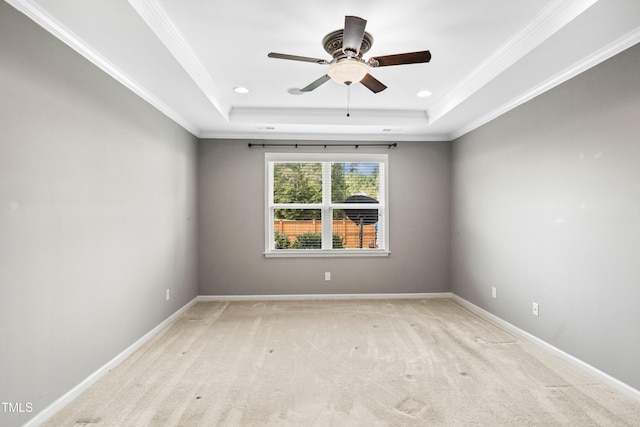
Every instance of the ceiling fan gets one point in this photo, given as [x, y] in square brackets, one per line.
[347, 66]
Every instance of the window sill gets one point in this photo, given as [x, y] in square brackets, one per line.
[311, 253]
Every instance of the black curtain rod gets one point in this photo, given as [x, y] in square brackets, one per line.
[356, 146]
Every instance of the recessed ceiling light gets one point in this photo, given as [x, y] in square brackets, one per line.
[240, 89]
[424, 93]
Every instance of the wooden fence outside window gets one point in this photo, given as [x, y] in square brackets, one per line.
[347, 229]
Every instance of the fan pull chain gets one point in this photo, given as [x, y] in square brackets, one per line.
[348, 98]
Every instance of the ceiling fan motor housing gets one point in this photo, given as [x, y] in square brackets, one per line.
[332, 44]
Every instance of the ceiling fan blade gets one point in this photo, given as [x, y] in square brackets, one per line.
[373, 84]
[401, 59]
[353, 33]
[315, 84]
[297, 58]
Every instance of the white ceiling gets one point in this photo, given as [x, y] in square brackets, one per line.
[186, 56]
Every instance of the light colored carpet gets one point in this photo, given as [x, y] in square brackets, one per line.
[343, 363]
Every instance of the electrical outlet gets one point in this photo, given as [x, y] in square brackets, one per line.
[167, 294]
[327, 275]
[535, 308]
[494, 292]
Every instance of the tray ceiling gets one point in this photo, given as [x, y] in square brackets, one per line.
[186, 58]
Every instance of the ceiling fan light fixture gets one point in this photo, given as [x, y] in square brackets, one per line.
[348, 71]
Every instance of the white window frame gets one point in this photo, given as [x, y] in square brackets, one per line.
[327, 206]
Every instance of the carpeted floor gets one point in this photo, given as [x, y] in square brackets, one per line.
[343, 363]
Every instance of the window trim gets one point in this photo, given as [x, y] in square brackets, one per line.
[327, 235]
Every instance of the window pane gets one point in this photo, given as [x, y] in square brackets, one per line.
[349, 179]
[297, 183]
[297, 229]
[319, 203]
[356, 231]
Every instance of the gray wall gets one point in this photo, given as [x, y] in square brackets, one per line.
[97, 217]
[547, 209]
[231, 228]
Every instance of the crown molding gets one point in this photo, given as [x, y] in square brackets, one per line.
[42, 18]
[329, 116]
[551, 19]
[156, 17]
[328, 124]
[612, 49]
[304, 136]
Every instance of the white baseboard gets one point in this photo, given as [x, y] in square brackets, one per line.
[66, 398]
[583, 366]
[303, 297]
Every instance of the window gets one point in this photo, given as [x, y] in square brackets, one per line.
[326, 204]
